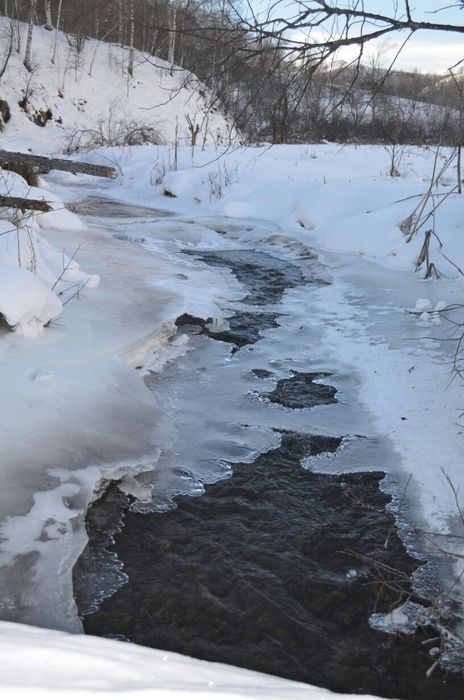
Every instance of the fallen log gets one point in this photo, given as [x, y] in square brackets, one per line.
[23, 204]
[45, 164]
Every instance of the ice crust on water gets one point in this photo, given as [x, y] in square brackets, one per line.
[423, 305]
[405, 619]
[77, 415]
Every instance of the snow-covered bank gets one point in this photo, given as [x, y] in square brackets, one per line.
[44, 664]
[342, 194]
[36, 280]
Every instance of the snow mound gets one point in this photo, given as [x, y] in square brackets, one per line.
[25, 302]
[21, 246]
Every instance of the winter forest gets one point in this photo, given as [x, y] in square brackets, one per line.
[231, 349]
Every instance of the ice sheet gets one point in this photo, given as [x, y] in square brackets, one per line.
[76, 412]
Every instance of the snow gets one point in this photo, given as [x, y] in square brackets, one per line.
[343, 196]
[75, 412]
[93, 100]
[44, 664]
[35, 278]
[25, 302]
[423, 305]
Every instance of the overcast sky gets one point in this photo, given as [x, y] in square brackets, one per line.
[430, 51]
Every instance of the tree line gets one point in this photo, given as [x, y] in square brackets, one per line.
[277, 88]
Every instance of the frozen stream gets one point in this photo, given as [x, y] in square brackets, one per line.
[260, 537]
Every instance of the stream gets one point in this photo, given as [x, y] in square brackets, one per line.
[268, 540]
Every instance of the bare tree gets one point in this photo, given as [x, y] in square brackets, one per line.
[120, 22]
[130, 69]
[30, 29]
[172, 32]
[319, 28]
[309, 34]
[58, 21]
[7, 49]
[458, 81]
[48, 15]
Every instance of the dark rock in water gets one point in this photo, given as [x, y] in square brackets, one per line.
[301, 390]
[189, 320]
[244, 328]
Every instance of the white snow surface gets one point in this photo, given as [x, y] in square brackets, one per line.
[25, 302]
[38, 664]
[43, 277]
[91, 96]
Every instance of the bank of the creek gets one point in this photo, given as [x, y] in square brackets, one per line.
[276, 568]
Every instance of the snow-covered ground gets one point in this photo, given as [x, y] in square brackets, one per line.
[90, 98]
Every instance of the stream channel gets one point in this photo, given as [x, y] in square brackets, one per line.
[252, 550]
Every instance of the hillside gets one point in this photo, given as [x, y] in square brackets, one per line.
[78, 96]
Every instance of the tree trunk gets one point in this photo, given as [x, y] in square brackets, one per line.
[23, 203]
[131, 38]
[172, 22]
[45, 164]
[120, 23]
[58, 20]
[30, 29]
[97, 19]
[48, 15]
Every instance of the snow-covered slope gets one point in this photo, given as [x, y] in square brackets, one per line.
[88, 97]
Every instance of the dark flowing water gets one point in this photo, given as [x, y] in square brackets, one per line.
[277, 568]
